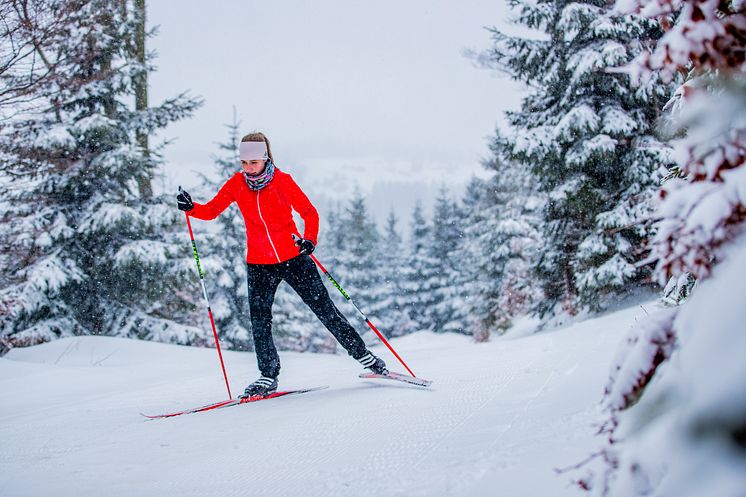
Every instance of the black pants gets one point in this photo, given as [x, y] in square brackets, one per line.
[301, 274]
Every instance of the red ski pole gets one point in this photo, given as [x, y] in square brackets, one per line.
[362, 314]
[209, 310]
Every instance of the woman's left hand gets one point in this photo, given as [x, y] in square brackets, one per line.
[305, 247]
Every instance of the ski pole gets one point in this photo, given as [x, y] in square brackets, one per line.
[362, 314]
[207, 301]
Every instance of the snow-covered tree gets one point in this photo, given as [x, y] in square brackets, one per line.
[349, 248]
[226, 259]
[501, 246]
[587, 136]
[331, 237]
[675, 407]
[84, 251]
[444, 248]
[480, 294]
[418, 271]
[516, 220]
[393, 320]
[358, 257]
[329, 252]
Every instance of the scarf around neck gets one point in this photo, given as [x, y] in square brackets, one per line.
[262, 179]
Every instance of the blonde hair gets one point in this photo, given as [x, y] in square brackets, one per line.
[258, 136]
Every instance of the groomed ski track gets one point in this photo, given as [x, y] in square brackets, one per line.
[497, 420]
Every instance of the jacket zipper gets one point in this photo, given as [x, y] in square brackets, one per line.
[265, 226]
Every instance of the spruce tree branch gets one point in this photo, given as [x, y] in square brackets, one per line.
[644, 220]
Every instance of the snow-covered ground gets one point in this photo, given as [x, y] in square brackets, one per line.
[498, 420]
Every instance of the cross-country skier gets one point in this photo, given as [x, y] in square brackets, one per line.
[265, 195]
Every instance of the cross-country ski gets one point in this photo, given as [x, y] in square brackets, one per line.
[234, 402]
[412, 380]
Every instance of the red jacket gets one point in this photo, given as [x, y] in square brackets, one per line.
[267, 215]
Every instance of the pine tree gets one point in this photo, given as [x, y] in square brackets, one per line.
[502, 241]
[491, 228]
[516, 217]
[418, 271]
[392, 316]
[84, 252]
[473, 256]
[358, 256]
[226, 259]
[444, 251]
[587, 136]
[332, 238]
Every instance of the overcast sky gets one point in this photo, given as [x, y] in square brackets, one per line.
[374, 95]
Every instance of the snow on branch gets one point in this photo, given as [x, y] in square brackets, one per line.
[144, 251]
[706, 208]
[702, 36]
[579, 119]
[106, 215]
[646, 346]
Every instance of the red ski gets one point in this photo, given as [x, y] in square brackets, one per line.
[233, 402]
[412, 380]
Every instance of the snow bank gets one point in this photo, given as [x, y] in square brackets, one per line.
[499, 418]
[684, 435]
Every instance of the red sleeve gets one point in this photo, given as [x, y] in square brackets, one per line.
[214, 207]
[299, 201]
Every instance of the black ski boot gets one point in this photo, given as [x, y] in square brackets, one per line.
[260, 388]
[373, 363]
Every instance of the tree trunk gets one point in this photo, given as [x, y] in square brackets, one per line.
[141, 94]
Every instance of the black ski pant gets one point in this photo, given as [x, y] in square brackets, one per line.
[301, 274]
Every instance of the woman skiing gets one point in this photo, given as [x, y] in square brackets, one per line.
[266, 197]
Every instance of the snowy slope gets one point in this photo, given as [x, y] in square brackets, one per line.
[497, 421]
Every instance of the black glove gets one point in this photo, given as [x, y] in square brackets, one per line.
[184, 200]
[305, 247]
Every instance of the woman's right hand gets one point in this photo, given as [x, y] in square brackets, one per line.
[184, 200]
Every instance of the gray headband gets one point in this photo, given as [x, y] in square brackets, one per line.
[253, 151]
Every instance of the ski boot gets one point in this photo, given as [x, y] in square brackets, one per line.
[373, 363]
[260, 388]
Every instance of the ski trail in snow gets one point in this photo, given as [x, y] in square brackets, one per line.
[455, 432]
[498, 419]
[465, 446]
